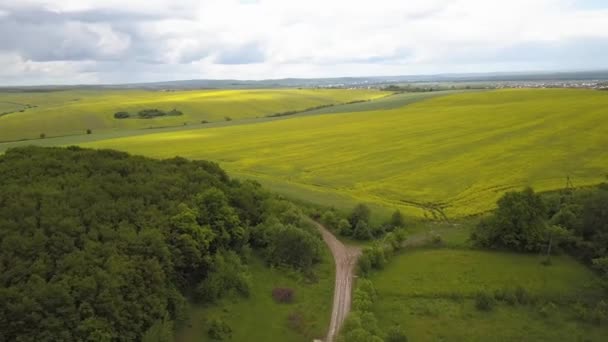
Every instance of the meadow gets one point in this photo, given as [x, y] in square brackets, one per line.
[451, 155]
[430, 294]
[260, 318]
[72, 112]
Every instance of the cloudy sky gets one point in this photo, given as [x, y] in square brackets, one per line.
[120, 41]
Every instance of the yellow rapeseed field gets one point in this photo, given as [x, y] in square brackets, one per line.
[452, 155]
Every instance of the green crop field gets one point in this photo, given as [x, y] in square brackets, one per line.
[453, 154]
[260, 318]
[430, 294]
[58, 113]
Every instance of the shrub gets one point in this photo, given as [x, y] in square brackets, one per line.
[204, 122]
[599, 315]
[344, 227]
[330, 219]
[364, 264]
[150, 113]
[523, 296]
[227, 118]
[396, 334]
[547, 309]
[89, 131]
[506, 295]
[484, 302]
[361, 213]
[283, 295]
[362, 231]
[397, 220]
[121, 115]
[42, 135]
[436, 239]
[219, 330]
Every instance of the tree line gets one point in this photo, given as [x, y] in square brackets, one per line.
[573, 221]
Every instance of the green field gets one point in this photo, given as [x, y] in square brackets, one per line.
[58, 113]
[260, 318]
[458, 153]
[430, 294]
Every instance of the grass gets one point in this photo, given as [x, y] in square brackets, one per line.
[447, 320]
[459, 152]
[70, 112]
[439, 272]
[430, 294]
[260, 318]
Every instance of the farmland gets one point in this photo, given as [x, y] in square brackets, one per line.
[451, 155]
[72, 112]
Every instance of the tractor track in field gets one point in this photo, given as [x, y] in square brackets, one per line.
[345, 258]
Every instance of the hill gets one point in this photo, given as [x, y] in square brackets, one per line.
[452, 155]
[28, 115]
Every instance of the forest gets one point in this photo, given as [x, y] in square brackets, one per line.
[104, 246]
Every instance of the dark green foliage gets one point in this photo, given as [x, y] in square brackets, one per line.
[344, 227]
[174, 112]
[219, 330]
[484, 301]
[289, 246]
[100, 245]
[227, 275]
[517, 224]
[42, 135]
[515, 296]
[596, 313]
[547, 309]
[286, 238]
[330, 219]
[89, 131]
[572, 220]
[360, 213]
[148, 113]
[397, 220]
[396, 334]
[362, 231]
[121, 115]
[361, 324]
[227, 118]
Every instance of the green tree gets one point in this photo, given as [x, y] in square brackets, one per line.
[397, 220]
[362, 231]
[519, 223]
[344, 227]
[360, 213]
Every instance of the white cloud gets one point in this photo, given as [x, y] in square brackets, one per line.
[313, 38]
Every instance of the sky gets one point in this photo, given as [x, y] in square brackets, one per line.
[128, 41]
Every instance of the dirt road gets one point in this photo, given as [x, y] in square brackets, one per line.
[345, 258]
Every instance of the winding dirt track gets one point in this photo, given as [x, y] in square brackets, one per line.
[345, 258]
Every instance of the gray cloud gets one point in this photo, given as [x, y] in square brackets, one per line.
[147, 40]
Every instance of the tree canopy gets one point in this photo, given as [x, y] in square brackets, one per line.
[103, 246]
